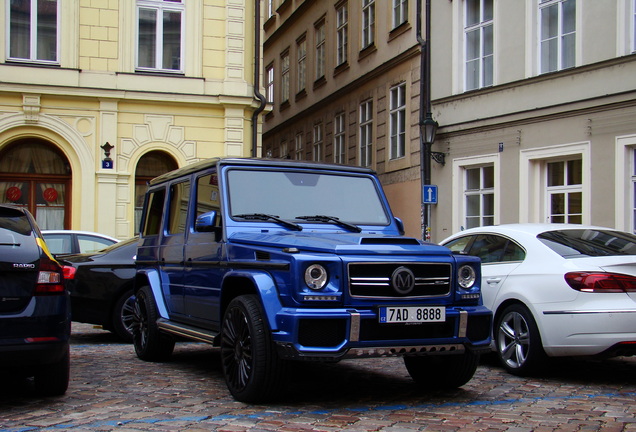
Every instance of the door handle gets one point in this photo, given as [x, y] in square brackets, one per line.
[493, 281]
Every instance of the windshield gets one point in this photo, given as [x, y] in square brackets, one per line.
[589, 242]
[290, 194]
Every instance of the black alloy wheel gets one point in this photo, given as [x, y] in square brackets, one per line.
[149, 342]
[252, 369]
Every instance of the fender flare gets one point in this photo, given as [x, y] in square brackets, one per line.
[152, 277]
[265, 289]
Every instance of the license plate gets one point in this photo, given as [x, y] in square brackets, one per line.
[412, 314]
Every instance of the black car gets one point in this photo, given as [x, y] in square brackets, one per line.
[101, 285]
[35, 317]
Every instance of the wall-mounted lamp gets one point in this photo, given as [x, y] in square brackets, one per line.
[107, 162]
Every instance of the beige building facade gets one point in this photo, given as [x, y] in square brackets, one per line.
[97, 97]
[535, 100]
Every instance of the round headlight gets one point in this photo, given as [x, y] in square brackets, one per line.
[466, 276]
[316, 277]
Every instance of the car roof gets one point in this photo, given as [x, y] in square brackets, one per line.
[90, 233]
[256, 162]
[525, 229]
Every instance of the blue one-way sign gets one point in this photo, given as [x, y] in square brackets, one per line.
[429, 193]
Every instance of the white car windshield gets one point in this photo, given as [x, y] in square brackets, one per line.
[302, 196]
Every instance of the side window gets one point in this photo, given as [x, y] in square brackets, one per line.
[208, 196]
[179, 198]
[493, 248]
[460, 245]
[154, 212]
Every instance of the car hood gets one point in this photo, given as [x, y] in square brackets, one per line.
[340, 243]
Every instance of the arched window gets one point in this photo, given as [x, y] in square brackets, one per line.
[36, 175]
[151, 165]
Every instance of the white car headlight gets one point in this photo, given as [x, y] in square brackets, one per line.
[316, 277]
[466, 277]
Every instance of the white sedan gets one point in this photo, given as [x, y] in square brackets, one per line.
[555, 290]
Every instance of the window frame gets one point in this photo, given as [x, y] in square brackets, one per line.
[269, 83]
[320, 45]
[481, 192]
[298, 146]
[368, 23]
[397, 121]
[160, 7]
[566, 189]
[301, 63]
[285, 76]
[561, 34]
[316, 148]
[399, 14]
[339, 139]
[342, 34]
[482, 58]
[33, 35]
[366, 133]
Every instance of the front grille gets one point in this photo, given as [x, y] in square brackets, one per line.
[377, 280]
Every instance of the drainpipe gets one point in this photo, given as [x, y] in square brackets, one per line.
[425, 157]
[257, 74]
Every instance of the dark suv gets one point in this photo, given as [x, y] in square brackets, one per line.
[35, 320]
[275, 261]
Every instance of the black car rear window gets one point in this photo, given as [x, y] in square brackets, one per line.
[14, 221]
[589, 242]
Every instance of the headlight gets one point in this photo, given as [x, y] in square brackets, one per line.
[316, 277]
[466, 277]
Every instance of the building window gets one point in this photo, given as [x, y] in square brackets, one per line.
[269, 85]
[33, 30]
[320, 50]
[400, 12]
[160, 35]
[398, 121]
[301, 53]
[284, 77]
[366, 133]
[298, 147]
[565, 191]
[341, 33]
[478, 33]
[634, 26]
[317, 146]
[339, 146]
[479, 196]
[558, 34]
[284, 150]
[368, 23]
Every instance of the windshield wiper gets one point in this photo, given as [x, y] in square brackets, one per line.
[268, 217]
[332, 219]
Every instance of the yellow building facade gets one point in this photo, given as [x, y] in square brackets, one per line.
[97, 97]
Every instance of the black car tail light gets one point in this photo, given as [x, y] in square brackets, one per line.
[601, 282]
[50, 280]
[69, 272]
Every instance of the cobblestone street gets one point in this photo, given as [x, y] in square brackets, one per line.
[111, 389]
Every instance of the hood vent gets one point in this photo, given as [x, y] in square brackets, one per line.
[262, 256]
[389, 241]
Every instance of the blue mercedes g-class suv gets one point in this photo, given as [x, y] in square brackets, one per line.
[276, 261]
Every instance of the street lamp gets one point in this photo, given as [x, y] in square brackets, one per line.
[429, 129]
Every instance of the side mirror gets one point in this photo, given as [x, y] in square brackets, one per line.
[400, 225]
[206, 222]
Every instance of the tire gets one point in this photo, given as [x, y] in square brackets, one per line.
[252, 369]
[123, 316]
[52, 379]
[442, 372]
[518, 342]
[150, 344]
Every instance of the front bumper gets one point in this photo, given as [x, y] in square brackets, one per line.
[336, 334]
